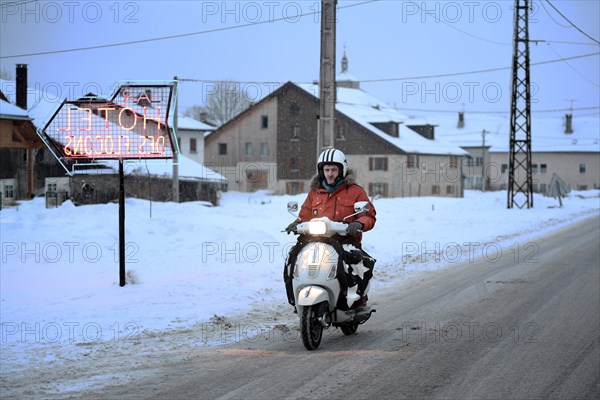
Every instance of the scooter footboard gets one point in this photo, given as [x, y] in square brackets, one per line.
[352, 316]
[310, 295]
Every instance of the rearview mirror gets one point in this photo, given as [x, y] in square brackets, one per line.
[361, 206]
[292, 207]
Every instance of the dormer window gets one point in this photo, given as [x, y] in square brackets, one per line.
[427, 131]
[391, 128]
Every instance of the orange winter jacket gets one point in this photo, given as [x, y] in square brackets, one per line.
[337, 205]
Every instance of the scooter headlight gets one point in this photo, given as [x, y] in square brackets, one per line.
[317, 227]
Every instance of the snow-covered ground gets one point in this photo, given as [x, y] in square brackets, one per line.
[193, 269]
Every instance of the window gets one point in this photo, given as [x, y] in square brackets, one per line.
[248, 148]
[340, 133]
[582, 168]
[264, 149]
[543, 188]
[453, 162]
[450, 189]
[534, 168]
[222, 149]
[264, 121]
[504, 168]
[582, 187]
[294, 187]
[295, 132]
[295, 109]
[435, 189]
[411, 161]
[378, 189]
[293, 164]
[193, 148]
[543, 168]
[378, 164]
[52, 187]
[9, 191]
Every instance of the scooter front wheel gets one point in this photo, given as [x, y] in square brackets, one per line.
[310, 325]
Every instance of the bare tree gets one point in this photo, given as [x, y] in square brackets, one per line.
[199, 113]
[224, 100]
[4, 74]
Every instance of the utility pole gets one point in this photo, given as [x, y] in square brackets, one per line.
[327, 88]
[520, 186]
[483, 160]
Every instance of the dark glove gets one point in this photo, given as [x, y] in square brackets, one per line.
[292, 227]
[354, 228]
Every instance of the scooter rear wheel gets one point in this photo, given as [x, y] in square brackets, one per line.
[310, 325]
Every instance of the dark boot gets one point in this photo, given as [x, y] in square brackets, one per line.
[361, 303]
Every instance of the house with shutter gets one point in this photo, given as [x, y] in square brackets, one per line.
[190, 137]
[24, 163]
[272, 145]
[566, 145]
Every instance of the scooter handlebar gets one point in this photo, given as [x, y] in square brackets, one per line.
[322, 227]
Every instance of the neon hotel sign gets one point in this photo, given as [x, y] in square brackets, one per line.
[134, 124]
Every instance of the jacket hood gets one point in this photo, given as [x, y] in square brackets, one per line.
[316, 181]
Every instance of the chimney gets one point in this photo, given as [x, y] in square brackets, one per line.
[568, 123]
[461, 120]
[22, 86]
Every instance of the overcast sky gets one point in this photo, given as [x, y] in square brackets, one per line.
[391, 46]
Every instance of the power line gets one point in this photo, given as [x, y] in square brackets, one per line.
[551, 17]
[569, 21]
[573, 68]
[563, 42]
[102, 46]
[404, 78]
[14, 3]
[502, 112]
[474, 72]
[457, 29]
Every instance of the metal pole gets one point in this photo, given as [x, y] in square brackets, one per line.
[175, 154]
[121, 225]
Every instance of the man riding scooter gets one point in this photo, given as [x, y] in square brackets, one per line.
[333, 194]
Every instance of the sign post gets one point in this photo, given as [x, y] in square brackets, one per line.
[122, 278]
[134, 124]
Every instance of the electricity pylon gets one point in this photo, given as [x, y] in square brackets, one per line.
[520, 187]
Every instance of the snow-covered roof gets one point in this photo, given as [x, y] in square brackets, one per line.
[11, 111]
[346, 76]
[188, 169]
[547, 132]
[40, 104]
[191, 124]
[366, 110]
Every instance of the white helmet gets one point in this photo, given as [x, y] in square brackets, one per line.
[332, 156]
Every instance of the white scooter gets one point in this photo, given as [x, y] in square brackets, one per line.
[315, 281]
